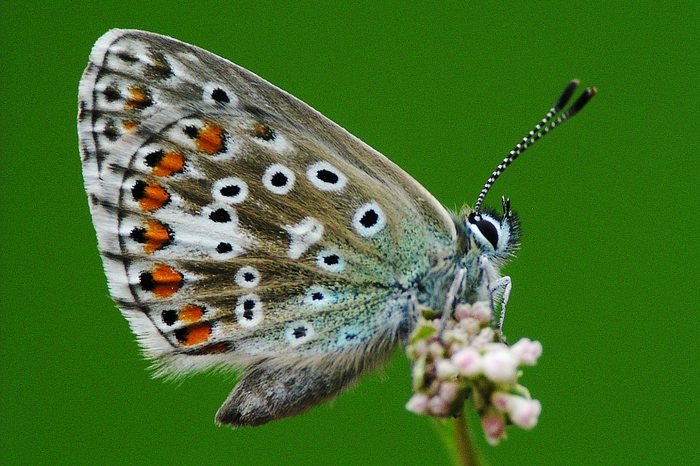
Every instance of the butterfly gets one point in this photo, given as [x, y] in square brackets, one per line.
[239, 228]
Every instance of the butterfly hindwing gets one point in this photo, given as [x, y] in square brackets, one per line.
[240, 227]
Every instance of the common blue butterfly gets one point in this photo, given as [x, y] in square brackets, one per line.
[240, 228]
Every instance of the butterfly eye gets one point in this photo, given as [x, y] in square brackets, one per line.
[318, 296]
[223, 248]
[220, 95]
[486, 227]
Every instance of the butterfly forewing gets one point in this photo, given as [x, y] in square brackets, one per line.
[238, 225]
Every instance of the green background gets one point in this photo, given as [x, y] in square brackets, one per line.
[606, 278]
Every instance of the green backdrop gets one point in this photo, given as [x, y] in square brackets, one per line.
[606, 278]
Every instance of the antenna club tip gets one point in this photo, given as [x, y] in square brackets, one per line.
[592, 90]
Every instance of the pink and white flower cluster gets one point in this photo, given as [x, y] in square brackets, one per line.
[467, 359]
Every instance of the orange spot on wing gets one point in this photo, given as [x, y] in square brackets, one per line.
[190, 313]
[196, 334]
[156, 236]
[155, 196]
[263, 131]
[167, 280]
[138, 99]
[211, 139]
[171, 162]
[130, 125]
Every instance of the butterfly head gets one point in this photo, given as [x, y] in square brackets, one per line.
[494, 235]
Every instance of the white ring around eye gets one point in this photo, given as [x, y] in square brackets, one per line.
[318, 296]
[502, 230]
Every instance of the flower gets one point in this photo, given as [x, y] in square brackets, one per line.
[448, 391]
[502, 401]
[464, 358]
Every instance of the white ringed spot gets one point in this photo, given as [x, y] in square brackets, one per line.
[299, 332]
[231, 190]
[318, 296]
[249, 310]
[247, 277]
[278, 179]
[369, 219]
[351, 334]
[218, 94]
[326, 177]
[330, 260]
[220, 214]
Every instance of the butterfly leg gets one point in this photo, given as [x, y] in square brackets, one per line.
[451, 298]
[503, 283]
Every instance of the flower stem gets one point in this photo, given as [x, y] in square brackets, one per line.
[465, 449]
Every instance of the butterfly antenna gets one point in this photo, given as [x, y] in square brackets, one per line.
[544, 126]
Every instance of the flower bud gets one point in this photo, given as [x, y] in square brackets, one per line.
[417, 349]
[527, 351]
[445, 369]
[438, 406]
[524, 413]
[456, 337]
[480, 311]
[485, 336]
[469, 326]
[418, 403]
[502, 401]
[500, 365]
[494, 425]
[467, 361]
[463, 310]
[448, 391]
[436, 350]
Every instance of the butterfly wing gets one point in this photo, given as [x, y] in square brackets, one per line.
[239, 227]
